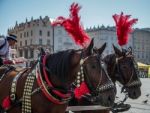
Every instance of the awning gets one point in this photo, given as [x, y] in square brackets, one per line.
[142, 65]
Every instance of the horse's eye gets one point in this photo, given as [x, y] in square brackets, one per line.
[124, 66]
[102, 64]
[93, 66]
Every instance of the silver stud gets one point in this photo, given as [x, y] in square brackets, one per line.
[82, 79]
[78, 73]
[12, 89]
[78, 85]
[78, 81]
[82, 75]
[81, 61]
[78, 77]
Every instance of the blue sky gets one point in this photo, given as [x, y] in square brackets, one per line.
[93, 12]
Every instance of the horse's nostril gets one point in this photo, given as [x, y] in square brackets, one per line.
[134, 93]
[109, 98]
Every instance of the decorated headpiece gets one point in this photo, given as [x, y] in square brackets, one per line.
[73, 27]
[123, 27]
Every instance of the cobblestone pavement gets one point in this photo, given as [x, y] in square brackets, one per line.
[142, 104]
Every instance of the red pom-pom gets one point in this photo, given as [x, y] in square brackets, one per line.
[80, 91]
[8, 62]
[123, 27]
[6, 102]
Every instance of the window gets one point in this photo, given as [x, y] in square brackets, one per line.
[27, 34]
[48, 33]
[31, 32]
[40, 41]
[20, 43]
[59, 31]
[48, 41]
[31, 53]
[60, 40]
[24, 34]
[26, 53]
[31, 42]
[40, 33]
[25, 42]
[20, 53]
[20, 35]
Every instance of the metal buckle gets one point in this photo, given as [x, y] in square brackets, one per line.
[12, 97]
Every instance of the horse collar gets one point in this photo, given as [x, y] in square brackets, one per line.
[46, 85]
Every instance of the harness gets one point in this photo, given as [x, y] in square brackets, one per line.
[12, 98]
[55, 95]
[120, 106]
[9, 69]
[48, 89]
[130, 83]
[92, 96]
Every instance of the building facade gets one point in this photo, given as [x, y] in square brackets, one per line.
[37, 33]
[141, 45]
[106, 34]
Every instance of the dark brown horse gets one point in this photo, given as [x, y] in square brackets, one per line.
[46, 89]
[122, 67]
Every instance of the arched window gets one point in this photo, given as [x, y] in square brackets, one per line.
[26, 53]
[48, 33]
[31, 32]
[20, 53]
[40, 32]
[40, 41]
[31, 53]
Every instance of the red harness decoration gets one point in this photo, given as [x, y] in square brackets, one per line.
[45, 91]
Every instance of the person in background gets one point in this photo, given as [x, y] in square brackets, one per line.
[5, 45]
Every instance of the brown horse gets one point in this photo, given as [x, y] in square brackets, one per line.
[121, 67]
[46, 89]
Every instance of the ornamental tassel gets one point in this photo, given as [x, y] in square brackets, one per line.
[73, 27]
[123, 27]
[80, 91]
[6, 102]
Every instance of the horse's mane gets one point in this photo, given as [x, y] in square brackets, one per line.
[109, 59]
[59, 64]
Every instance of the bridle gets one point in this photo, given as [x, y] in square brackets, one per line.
[94, 92]
[131, 83]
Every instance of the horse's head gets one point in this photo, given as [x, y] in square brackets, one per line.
[93, 68]
[126, 72]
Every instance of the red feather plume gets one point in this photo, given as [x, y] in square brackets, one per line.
[73, 27]
[123, 27]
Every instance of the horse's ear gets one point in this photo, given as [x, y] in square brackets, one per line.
[89, 49]
[130, 50]
[95, 50]
[100, 50]
[117, 51]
